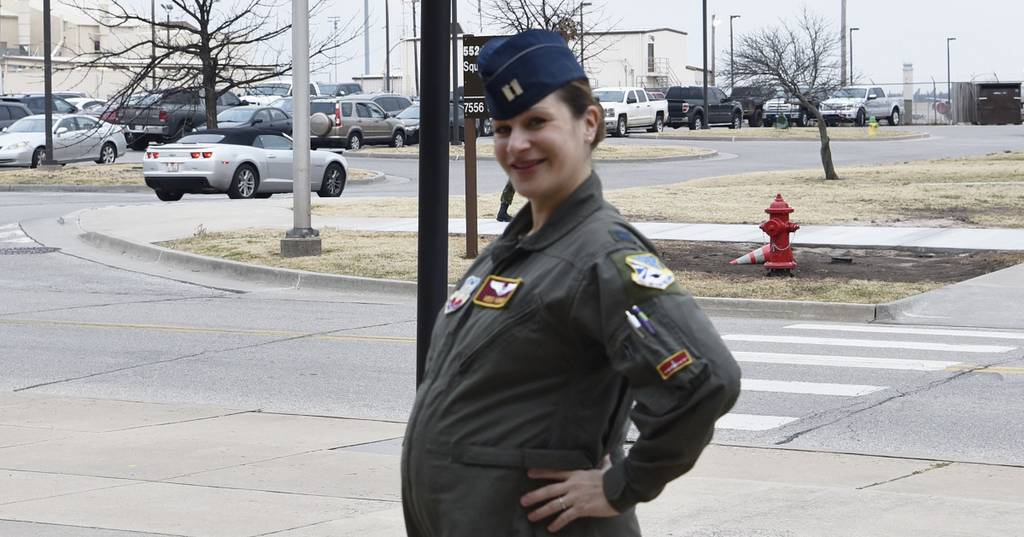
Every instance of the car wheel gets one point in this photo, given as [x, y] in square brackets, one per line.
[755, 120]
[37, 157]
[355, 141]
[620, 127]
[244, 183]
[333, 183]
[659, 124]
[263, 195]
[697, 123]
[895, 118]
[398, 139]
[138, 144]
[165, 195]
[108, 154]
[737, 121]
[861, 118]
[766, 123]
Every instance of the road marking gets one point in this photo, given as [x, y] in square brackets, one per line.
[871, 343]
[808, 388]
[752, 422]
[10, 226]
[877, 329]
[844, 361]
[198, 330]
[996, 370]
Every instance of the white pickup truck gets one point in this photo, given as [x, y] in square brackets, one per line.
[858, 103]
[631, 108]
[264, 93]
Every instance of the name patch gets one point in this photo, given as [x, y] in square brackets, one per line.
[674, 364]
[462, 294]
[649, 271]
[496, 291]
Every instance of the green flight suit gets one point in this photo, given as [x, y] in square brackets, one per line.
[540, 369]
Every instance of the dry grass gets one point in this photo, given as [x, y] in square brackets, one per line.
[603, 151]
[792, 133]
[979, 191]
[393, 256]
[103, 175]
[89, 174]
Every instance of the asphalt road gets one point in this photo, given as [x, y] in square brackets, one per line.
[75, 327]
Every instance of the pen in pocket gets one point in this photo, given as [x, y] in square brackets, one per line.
[644, 320]
[634, 323]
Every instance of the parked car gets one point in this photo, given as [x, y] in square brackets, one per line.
[391, 103]
[11, 112]
[790, 107]
[264, 93]
[36, 103]
[242, 163]
[75, 138]
[359, 121]
[327, 106]
[410, 118]
[263, 117]
[858, 103]
[88, 105]
[686, 108]
[166, 115]
[629, 108]
[341, 90]
[752, 99]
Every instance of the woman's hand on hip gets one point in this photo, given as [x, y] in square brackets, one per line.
[576, 494]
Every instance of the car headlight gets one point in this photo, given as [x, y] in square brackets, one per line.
[609, 112]
[16, 146]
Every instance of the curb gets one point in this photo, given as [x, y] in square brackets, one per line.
[380, 177]
[711, 154]
[757, 139]
[738, 307]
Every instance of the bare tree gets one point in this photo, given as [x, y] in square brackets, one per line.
[215, 46]
[577, 22]
[800, 59]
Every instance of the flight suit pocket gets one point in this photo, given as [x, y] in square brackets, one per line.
[499, 324]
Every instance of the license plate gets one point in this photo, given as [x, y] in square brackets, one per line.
[173, 166]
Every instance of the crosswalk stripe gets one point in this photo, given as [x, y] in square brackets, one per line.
[843, 361]
[9, 226]
[6, 234]
[752, 422]
[871, 343]
[808, 388]
[23, 240]
[878, 329]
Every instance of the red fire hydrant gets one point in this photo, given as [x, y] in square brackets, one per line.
[779, 260]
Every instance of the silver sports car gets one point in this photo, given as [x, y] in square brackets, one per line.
[75, 138]
[244, 163]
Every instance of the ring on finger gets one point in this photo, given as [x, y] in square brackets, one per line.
[561, 503]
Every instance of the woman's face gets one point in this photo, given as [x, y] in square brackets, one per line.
[545, 150]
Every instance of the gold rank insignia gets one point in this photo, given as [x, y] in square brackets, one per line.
[649, 271]
[674, 364]
[496, 291]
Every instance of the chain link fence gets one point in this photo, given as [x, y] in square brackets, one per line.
[929, 103]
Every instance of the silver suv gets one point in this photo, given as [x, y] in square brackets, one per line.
[355, 121]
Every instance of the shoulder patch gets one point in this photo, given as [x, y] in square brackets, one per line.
[648, 271]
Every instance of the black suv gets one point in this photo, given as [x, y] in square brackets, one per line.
[391, 103]
[11, 112]
[752, 99]
[37, 102]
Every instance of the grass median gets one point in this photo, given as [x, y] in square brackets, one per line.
[792, 133]
[102, 175]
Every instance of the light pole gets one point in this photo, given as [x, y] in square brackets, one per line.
[851, 54]
[334, 54]
[732, 75]
[387, 49]
[152, 49]
[704, 67]
[715, 21]
[168, 8]
[415, 49]
[949, 80]
[842, 49]
[456, 29]
[581, 33]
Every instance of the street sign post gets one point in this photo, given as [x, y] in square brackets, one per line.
[473, 107]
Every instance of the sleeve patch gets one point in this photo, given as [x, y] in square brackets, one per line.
[646, 270]
[674, 364]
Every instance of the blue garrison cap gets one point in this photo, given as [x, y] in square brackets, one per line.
[521, 70]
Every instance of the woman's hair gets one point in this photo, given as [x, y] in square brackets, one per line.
[578, 97]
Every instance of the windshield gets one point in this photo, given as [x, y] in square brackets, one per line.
[239, 114]
[283, 104]
[28, 124]
[271, 89]
[609, 96]
[413, 112]
[201, 139]
[851, 93]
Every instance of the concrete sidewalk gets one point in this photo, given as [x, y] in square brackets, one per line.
[995, 300]
[101, 468]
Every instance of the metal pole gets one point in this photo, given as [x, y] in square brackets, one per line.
[714, 67]
[704, 36]
[472, 243]
[949, 80]
[334, 54]
[387, 48]
[152, 50]
[415, 49]
[47, 86]
[455, 72]
[732, 58]
[842, 51]
[366, 37]
[302, 239]
[432, 270]
[3, 52]
[581, 32]
[852, 76]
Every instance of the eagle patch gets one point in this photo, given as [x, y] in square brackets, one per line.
[648, 271]
[496, 291]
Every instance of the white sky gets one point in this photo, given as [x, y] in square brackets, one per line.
[989, 32]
